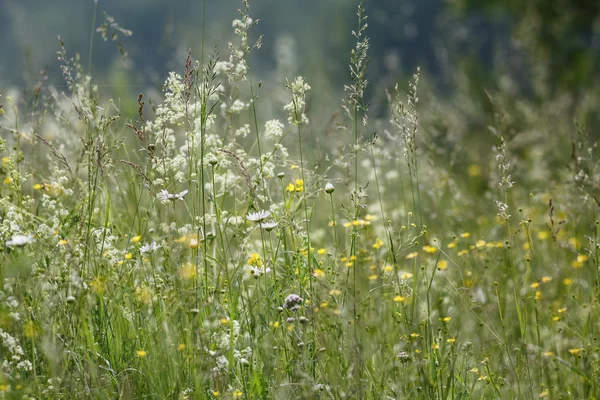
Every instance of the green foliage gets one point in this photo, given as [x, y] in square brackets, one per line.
[557, 33]
[205, 249]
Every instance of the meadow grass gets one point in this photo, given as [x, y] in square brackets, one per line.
[187, 253]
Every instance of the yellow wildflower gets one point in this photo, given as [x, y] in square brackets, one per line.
[474, 170]
[542, 235]
[429, 249]
[98, 285]
[29, 329]
[187, 271]
[318, 273]
[254, 260]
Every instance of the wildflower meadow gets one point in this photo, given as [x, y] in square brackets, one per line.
[222, 244]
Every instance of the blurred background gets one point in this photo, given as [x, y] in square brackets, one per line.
[441, 36]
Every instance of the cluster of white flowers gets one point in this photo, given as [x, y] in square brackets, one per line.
[12, 222]
[222, 364]
[20, 240]
[502, 210]
[504, 168]
[296, 107]
[13, 354]
[223, 67]
[243, 356]
[237, 107]
[225, 340]
[167, 166]
[243, 131]
[173, 107]
[273, 129]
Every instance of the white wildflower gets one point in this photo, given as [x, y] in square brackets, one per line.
[243, 131]
[149, 248]
[257, 272]
[269, 225]
[259, 216]
[238, 106]
[20, 240]
[273, 129]
[223, 67]
[222, 364]
[164, 196]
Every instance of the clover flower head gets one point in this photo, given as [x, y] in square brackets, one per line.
[292, 302]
